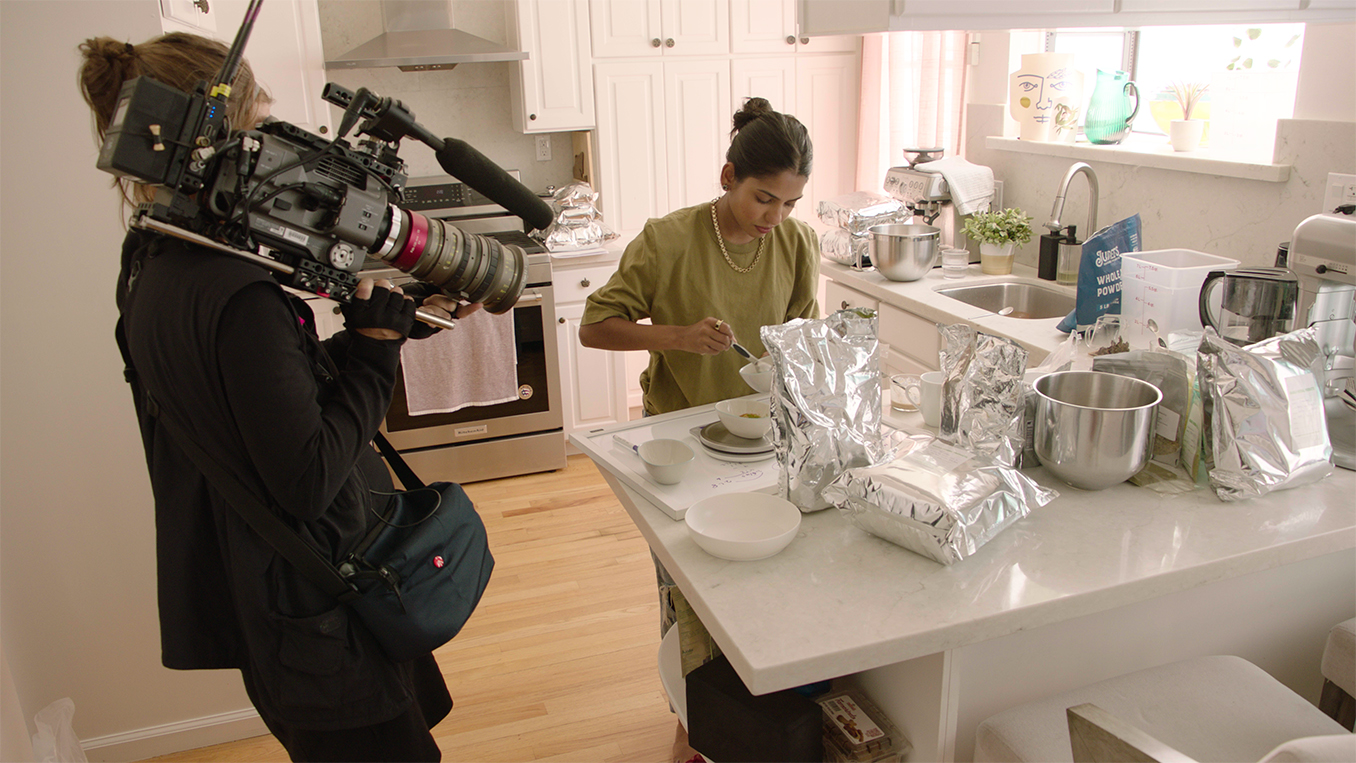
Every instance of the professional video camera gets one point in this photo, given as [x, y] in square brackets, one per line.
[319, 207]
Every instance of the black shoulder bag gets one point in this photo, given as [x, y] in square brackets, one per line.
[414, 579]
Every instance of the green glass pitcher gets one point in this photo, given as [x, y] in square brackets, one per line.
[1110, 111]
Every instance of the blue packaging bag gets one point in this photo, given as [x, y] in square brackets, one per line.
[1099, 274]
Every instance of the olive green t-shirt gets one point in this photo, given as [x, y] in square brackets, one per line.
[674, 274]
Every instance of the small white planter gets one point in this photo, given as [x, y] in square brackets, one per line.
[1185, 134]
[996, 259]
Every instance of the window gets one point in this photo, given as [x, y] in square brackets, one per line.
[1251, 73]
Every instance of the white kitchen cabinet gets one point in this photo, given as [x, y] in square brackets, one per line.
[827, 17]
[593, 383]
[827, 94]
[286, 54]
[662, 133]
[914, 342]
[552, 91]
[653, 28]
[770, 26]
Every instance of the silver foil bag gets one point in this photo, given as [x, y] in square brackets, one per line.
[858, 211]
[938, 500]
[1267, 426]
[846, 248]
[982, 395]
[578, 224]
[826, 401]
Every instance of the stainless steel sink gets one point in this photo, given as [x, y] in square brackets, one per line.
[1027, 300]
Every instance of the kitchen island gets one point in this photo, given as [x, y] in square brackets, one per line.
[1092, 585]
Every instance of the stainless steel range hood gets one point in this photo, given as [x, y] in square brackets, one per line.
[419, 36]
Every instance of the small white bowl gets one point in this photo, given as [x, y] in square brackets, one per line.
[758, 375]
[666, 460]
[745, 418]
[743, 527]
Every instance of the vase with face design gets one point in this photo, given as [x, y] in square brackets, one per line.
[1044, 81]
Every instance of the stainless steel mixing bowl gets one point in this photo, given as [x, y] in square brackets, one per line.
[1094, 429]
[904, 252]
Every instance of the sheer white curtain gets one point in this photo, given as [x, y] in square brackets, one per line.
[913, 95]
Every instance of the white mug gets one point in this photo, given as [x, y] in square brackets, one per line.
[906, 392]
[930, 398]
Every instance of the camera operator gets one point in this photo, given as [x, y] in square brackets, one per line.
[219, 346]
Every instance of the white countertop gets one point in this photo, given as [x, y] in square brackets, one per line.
[839, 601]
[919, 297]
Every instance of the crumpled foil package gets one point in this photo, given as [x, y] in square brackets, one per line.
[938, 501]
[578, 224]
[846, 248]
[983, 399]
[856, 212]
[1267, 426]
[826, 401]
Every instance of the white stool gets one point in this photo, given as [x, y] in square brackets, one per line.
[1339, 674]
[1207, 709]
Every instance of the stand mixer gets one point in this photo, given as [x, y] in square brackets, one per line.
[1323, 256]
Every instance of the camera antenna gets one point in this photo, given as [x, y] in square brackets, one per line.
[229, 67]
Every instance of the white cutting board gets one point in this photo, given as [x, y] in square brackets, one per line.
[706, 477]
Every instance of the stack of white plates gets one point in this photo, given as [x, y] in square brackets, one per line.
[717, 441]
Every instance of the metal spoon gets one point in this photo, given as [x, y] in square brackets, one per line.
[1000, 313]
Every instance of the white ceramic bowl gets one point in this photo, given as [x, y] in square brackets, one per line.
[758, 375]
[666, 460]
[745, 418]
[743, 526]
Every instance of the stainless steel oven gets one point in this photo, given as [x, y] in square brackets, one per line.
[505, 439]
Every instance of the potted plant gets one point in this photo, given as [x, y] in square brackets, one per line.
[1185, 134]
[998, 233]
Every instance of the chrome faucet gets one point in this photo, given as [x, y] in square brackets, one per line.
[1054, 225]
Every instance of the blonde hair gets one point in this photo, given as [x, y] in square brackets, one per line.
[177, 59]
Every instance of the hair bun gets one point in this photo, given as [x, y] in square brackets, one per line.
[752, 109]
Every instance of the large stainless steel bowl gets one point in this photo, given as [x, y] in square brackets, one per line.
[904, 252]
[1094, 429]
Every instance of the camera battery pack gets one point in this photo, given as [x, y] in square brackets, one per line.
[727, 723]
[142, 140]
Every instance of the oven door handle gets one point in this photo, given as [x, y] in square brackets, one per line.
[530, 298]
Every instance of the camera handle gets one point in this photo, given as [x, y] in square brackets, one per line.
[143, 221]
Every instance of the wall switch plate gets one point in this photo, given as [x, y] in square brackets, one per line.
[543, 148]
[1340, 189]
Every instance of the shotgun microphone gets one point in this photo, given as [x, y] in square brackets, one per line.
[473, 168]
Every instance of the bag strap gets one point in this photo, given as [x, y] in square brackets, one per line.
[282, 538]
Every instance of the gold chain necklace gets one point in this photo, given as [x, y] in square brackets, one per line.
[721, 240]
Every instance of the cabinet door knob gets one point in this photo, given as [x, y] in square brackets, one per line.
[585, 283]
[561, 321]
[324, 130]
[668, 43]
[845, 304]
[790, 39]
[656, 42]
[805, 41]
[532, 117]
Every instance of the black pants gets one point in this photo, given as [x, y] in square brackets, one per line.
[403, 738]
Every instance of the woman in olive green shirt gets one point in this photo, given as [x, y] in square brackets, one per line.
[715, 273]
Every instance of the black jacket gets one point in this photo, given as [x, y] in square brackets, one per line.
[221, 347]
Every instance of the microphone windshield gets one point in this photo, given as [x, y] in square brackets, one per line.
[473, 168]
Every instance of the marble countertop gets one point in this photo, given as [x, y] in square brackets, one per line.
[919, 297]
[839, 600]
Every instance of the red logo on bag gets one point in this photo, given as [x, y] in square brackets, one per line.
[438, 562]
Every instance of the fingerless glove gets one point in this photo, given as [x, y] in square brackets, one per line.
[385, 309]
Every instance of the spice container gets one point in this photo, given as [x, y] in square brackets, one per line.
[856, 731]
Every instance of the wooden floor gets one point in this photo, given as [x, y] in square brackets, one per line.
[558, 661]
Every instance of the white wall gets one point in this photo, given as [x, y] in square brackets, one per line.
[77, 566]
[1242, 219]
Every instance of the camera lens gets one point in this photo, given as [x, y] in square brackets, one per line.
[463, 265]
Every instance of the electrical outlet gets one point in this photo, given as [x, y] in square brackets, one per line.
[1341, 189]
[543, 148]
